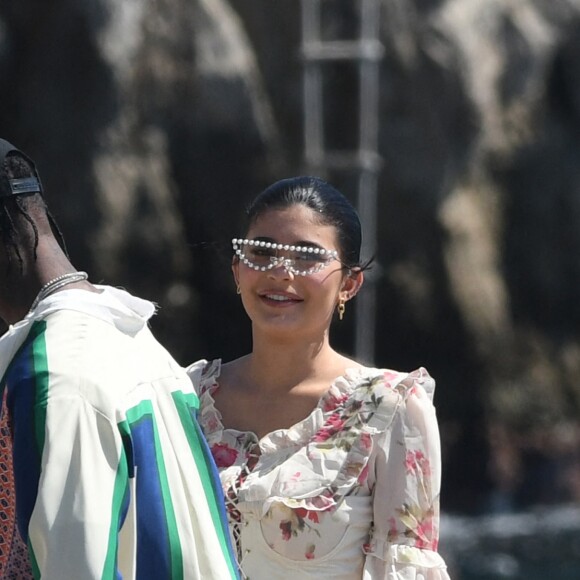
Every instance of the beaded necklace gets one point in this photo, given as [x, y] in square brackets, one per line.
[57, 283]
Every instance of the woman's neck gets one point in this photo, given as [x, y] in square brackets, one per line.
[284, 364]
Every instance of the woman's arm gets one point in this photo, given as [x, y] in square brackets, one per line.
[406, 491]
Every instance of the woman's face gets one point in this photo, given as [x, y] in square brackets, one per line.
[280, 301]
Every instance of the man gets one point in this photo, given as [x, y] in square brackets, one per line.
[103, 471]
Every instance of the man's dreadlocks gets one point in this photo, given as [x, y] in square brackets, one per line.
[17, 166]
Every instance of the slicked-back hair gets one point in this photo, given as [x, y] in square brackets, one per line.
[330, 205]
[16, 166]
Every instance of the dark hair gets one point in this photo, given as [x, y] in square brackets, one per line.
[331, 206]
[17, 166]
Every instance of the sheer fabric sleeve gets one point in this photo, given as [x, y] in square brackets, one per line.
[403, 544]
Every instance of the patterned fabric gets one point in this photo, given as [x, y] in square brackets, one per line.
[105, 471]
[352, 491]
[14, 561]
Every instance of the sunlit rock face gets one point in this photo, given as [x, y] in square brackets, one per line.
[478, 242]
[483, 144]
[154, 123]
[148, 121]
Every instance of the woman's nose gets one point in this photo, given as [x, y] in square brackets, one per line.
[282, 270]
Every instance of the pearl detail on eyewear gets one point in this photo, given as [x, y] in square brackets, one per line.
[307, 259]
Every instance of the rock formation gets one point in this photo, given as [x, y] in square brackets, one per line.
[153, 123]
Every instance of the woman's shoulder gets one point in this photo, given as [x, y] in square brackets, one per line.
[415, 383]
[418, 381]
[382, 392]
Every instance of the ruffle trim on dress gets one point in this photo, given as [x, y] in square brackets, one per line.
[399, 557]
[205, 374]
[211, 418]
[318, 461]
[368, 411]
[358, 406]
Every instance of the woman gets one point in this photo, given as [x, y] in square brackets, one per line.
[330, 469]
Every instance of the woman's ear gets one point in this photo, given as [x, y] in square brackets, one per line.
[351, 284]
[235, 271]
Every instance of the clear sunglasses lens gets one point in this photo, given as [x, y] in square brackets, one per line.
[305, 262]
[302, 262]
[263, 257]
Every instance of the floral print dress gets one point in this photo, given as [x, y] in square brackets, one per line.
[350, 492]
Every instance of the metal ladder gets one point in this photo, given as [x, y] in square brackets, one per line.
[367, 51]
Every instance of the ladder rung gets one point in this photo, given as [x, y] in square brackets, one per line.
[343, 50]
[367, 160]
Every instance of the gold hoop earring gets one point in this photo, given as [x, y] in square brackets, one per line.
[341, 309]
[238, 291]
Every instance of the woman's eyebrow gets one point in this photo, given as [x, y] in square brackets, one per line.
[303, 243]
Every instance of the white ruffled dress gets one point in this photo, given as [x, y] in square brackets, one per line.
[351, 492]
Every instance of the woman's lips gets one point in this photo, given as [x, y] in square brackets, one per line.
[280, 298]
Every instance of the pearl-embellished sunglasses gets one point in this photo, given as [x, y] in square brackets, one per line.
[299, 260]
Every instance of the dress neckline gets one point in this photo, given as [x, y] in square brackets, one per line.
[341, 386]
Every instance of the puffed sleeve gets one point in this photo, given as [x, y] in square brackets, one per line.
[407, 468]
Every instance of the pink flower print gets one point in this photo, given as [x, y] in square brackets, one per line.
[335, 421]
[310, 552]
[333, 400]
[363, 475]
[333, 425]
[368, 547]
[365, 441]
[223, 455]
[388, 376]
[393, 531]
[286, 528]
[322, 435]
[296, 477]
[410, 462]
[425, 534]
[303, 513]
[416, 461]
[420, 524]
[324, 502]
